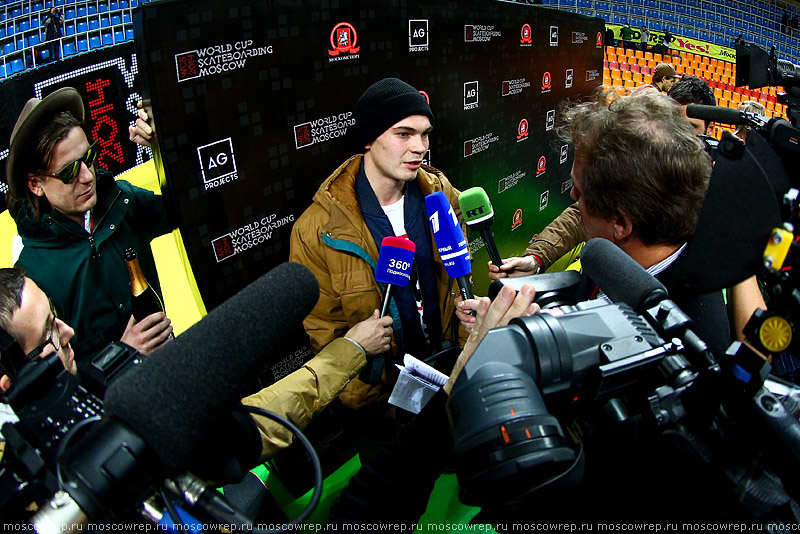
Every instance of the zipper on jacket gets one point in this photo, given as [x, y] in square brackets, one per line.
[98, 222]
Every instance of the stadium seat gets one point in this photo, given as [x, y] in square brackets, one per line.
[108, 38]
[23, 25]
[17, 66]
[69, 49]
[119, 36]
[69, 13]
[95, 42]
[83, 44]
[80, 11]
[2, 71]
[102, 7]
[8, 48]
[81, 27]
[69, 28]
[129, 34]
[104, 22]
[34, 39]
[94, 24]
[116, 19]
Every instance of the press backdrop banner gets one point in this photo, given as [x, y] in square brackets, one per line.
[253, 106]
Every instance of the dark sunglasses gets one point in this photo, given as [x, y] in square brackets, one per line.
[70, 172]
[54, 339]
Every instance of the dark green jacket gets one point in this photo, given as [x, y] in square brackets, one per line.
[85, 274]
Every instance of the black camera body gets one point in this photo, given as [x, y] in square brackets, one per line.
[49, 402]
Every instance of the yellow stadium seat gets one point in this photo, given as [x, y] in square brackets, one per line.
[657, 58]
[648, 55]
[639, 54]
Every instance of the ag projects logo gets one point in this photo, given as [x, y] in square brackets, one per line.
[217, 163]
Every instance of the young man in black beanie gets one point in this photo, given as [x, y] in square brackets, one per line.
[372, 195]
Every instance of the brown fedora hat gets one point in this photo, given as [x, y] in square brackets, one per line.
[34, 116]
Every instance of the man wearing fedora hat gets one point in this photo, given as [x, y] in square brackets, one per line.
[76, 221]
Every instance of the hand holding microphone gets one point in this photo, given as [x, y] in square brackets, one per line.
[395, 260]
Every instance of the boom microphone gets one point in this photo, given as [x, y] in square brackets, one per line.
[479, 215]
[177, 394]
[395, 260]
[624, 280]
[619, 276]
[719, 114]
[450, 241]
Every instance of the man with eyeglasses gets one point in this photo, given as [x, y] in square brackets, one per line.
[28, 316]
[76, 221]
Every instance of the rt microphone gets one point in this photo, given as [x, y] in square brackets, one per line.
[450, 241]
[394, 269]
[479, 215]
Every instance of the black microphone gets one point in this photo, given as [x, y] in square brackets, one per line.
[720, 114]
[619, 276]
[174, 412]
[624, 280]
[175, 395]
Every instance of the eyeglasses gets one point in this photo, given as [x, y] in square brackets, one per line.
[71, 171]
[54, 339]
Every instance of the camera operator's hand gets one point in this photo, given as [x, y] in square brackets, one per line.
[373, 334]
[142, 132]
[149, 333]
[514, 267]
[463, 313]
[507, 305]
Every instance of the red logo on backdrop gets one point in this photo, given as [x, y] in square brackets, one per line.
[343, 39]
[522, 129]
[427, 98]
[302, 135]
[541, 166]
[223, 247]
[517, 219]
[105, 129]
[525, 35]
[547, 81]
[187, 65]
[467, 148]
[599, 41]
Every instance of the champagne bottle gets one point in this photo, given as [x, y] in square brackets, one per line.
[144, 299]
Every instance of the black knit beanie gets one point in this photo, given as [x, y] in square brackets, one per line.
[384, 104]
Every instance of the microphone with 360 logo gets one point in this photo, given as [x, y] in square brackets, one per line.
[394, 269]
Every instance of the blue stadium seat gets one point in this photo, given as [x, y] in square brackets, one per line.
[2, 71]
[17, 66]
[69, 28]
[119, 36]
[81, 11]
[95, 42]
[114, 5]
[92, 9]
[81, 27]
[37, 6]
[16, 12]
[102, 7]
[126, 17]
[69, 13]
[94, 24]
[123, 4]
[104, 23]
[2, 31]
[116, 19]
[8, 48]
[83, 44]
[34, 39]
[58, 3]
[129, 34]
[69, 49]
[108, 38]
[23, 25]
